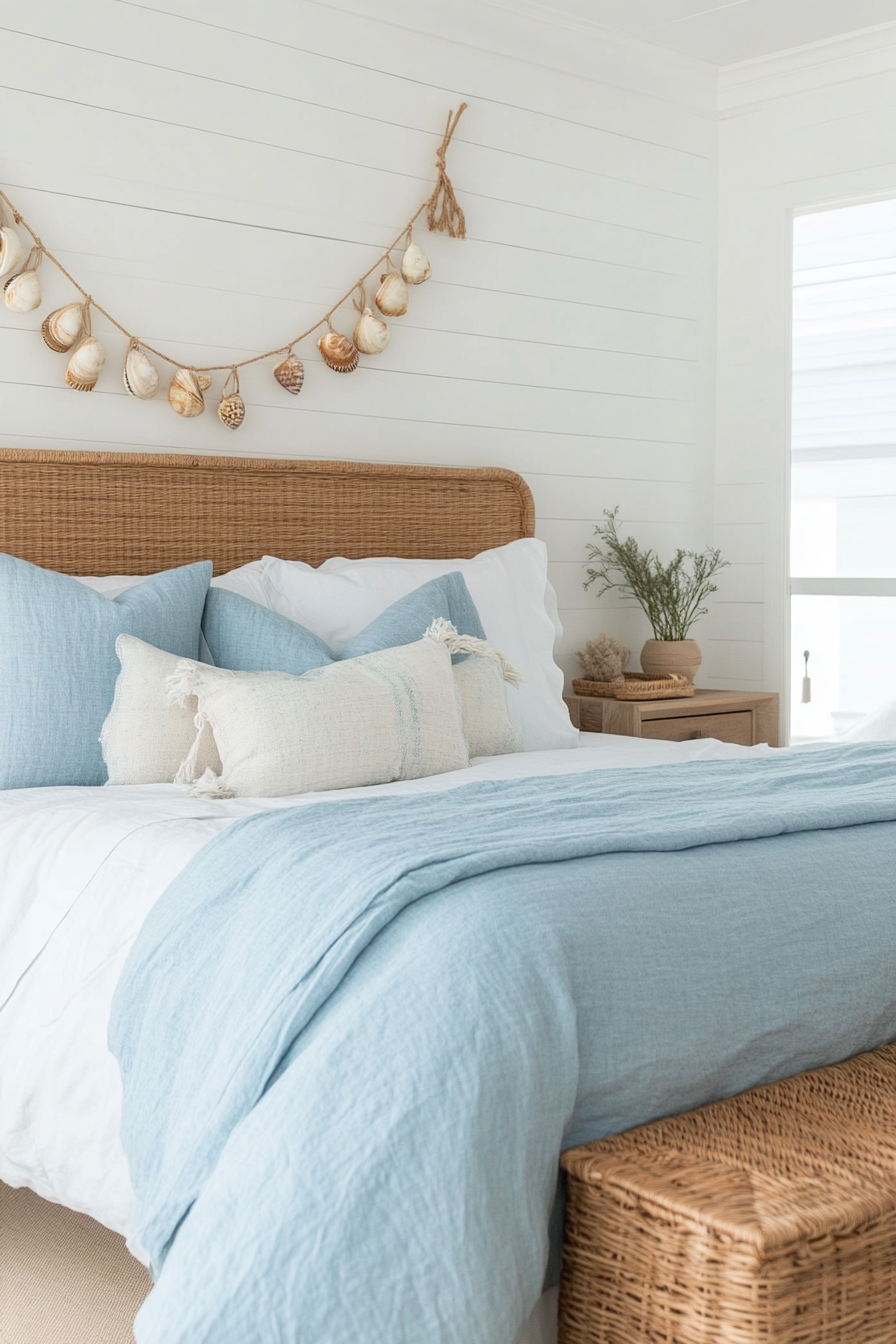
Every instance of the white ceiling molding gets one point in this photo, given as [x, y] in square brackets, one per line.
[857, 55]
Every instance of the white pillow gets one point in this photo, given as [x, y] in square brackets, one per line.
[384, 716]
[508, 585]
[144, 739]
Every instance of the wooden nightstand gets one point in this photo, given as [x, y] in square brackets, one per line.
[745, 717]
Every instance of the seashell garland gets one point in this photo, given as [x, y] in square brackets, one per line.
[338, 352]
[392, 296]
[290, 373]
[12, 250]
[85, 365]
[371, 335]
[140, 375]
[415, 265]
[231, 407]
[21, 293]
[63, 326]
[185, 393]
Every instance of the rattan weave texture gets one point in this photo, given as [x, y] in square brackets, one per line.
[136, 513]
[769, 1218]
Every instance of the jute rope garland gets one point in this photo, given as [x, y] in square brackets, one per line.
[444, 215]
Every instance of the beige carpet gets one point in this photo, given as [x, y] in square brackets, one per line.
[63, 1278]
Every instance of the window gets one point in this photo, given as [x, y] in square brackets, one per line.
[843, 472]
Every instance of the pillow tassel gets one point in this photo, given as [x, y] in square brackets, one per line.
[211, 786]
[443, 632]
[182, 683]
[186, 771]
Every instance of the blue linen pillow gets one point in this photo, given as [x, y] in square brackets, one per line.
[246, 637]
[58, 665]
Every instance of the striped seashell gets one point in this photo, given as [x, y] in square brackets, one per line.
[232, 410]
[392, 295]
[415, 265]
[185, 393]
[290, 373]
[85, 365]
[21, 293]
[338, 352]
[371, 335]
[63, 326]
[12, 250]
[140, 375]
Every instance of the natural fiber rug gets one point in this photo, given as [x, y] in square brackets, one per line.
[64, 1279]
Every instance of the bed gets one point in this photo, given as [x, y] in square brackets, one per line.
[343, 1120]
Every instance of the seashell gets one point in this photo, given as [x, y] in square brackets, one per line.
[338, 352]
[371, 335]
[85, 365]
[12, 250]
[185, 393]
[415, 265]
[63, 326]
[392, 295]
[232, 410]
[290, 373]
[141, 377]
[21, 293]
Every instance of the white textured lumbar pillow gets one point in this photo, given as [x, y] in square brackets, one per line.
[393, 714]
[144, 739]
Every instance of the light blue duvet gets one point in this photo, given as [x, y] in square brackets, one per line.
[354, 1038]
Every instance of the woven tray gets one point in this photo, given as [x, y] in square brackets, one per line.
[637, 686]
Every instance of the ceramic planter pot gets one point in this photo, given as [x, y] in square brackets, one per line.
[662, 656]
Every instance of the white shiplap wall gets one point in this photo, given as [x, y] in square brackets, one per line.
[808, 129]
[217, 175]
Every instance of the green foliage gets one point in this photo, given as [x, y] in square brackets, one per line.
[670, 595]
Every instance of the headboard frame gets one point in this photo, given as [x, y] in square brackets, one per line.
[136, 513]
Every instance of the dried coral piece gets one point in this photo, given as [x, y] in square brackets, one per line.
[604, 659]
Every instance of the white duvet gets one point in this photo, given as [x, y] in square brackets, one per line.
[79, 871]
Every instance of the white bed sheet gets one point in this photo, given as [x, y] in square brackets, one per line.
[79, 871]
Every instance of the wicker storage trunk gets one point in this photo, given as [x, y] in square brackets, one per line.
[769, 1218]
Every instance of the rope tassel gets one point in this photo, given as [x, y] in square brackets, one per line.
[443, 632]
[443, 214]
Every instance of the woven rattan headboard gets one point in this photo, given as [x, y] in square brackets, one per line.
[135, 513]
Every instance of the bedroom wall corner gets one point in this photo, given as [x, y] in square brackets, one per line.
[217, 179]
[807, 128]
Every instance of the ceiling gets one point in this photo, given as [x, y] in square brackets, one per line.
[726, 31]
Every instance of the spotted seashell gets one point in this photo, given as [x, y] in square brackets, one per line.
[290, 373]
[232, 410]
[63, 326]
[338, 352]
[21, 293]
[392, 295]
[371, 335]
[185, 393]
[415, 265]
[12, 250]
[85, 365]
[141, 377]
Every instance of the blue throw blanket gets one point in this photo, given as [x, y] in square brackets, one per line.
[355, 1037]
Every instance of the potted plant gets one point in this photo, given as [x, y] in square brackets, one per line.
[670, 595]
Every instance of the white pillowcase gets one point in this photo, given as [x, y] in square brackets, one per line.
[144, 739]
[384, 716]
[508, 585]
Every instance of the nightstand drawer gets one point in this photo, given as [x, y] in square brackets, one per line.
[737, 727]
